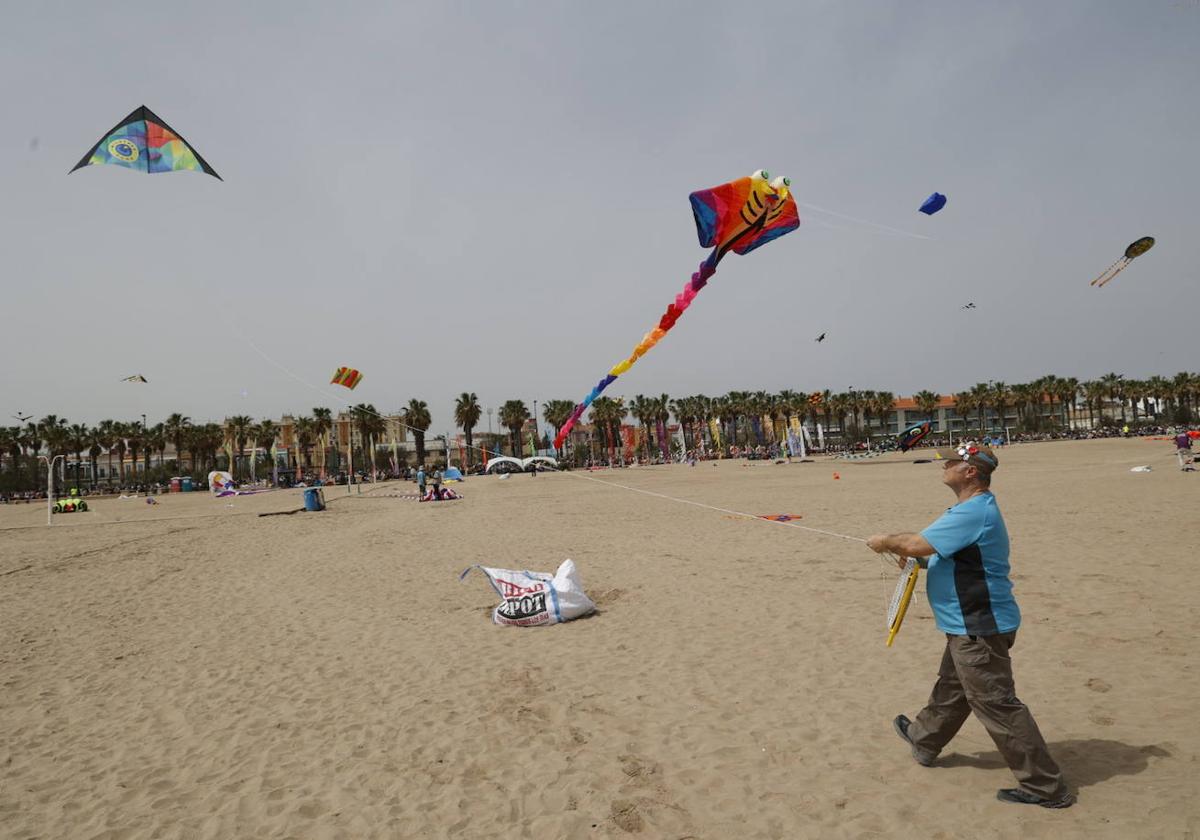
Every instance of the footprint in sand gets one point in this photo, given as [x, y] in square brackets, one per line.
[625, 814]
[637, 768]
[1097, 684]
[1101, 720]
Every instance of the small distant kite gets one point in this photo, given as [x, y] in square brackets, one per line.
[143, 141]
[1135, 249]
[738, 216]
[349, 377]
[970, 305]
[913, 435]
[137, 377]
[820, 338]
[933, 204]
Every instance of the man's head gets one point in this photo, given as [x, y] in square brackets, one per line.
[968, 464]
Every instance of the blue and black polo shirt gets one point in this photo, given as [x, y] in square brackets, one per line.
[968, 585]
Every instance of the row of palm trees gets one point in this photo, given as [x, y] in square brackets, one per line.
[739, 417]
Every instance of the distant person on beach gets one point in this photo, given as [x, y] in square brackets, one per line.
[437, 482]
[421, 479]
[966, 553]
[1183, 450]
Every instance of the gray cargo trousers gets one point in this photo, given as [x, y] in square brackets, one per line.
[976, 676]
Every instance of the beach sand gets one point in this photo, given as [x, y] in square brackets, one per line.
[191, 670]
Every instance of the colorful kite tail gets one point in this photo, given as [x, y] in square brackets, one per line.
[1110, 272]
[682, 301]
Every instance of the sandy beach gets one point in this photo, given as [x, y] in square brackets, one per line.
[193, 670]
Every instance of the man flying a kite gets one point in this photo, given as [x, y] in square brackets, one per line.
[970, 591]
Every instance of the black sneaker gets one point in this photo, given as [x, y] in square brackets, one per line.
[1021, 797]
[901, 724]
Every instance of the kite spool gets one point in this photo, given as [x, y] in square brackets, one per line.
[901, 598]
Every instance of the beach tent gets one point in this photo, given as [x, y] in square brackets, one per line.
[452, 474]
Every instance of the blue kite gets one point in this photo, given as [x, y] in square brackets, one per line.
[933, 204]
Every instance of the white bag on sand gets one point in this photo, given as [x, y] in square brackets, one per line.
[534, 598]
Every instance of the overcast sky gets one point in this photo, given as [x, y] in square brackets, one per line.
[492, 197]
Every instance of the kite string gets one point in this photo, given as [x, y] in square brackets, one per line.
[575, 475]
[862, 221]
[714, 507]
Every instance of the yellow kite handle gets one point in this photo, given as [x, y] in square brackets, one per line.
[909, 586]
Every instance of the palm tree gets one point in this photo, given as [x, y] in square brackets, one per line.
[822, 406]
[305, 430]
[839, 406]
[95, 443]
[371, 427]
[78, 440]
[156, 442]
[556, 413]
[10, 437]
[981, 393]
[1093, 397]
[854, 402]
[1067, 389]
[1186, 387]
[262, 435]
[1022, 398]
[605, 415]
[54, 432]
[885, 404]
[964, 404]
[175, 429]
[322, 426]
[466, 415]
[119, 432]
[1135, 392]
[1113, 387]
[644, 410]
[1001, 399]
[208, 439]
[662, 416]
[927, 403]
[238, 430]
[513, 415]
[417, 418]
[135, 438]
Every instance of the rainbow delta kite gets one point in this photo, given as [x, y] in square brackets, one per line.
[143, 141]
[738, 216]
[346, 376]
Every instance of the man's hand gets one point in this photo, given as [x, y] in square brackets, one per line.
[878, 543]
[905, 545]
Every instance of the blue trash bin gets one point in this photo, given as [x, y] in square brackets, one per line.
[186, 484]
[314, 499]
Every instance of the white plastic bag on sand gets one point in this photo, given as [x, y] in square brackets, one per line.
[1142, 468]
[534, 598]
